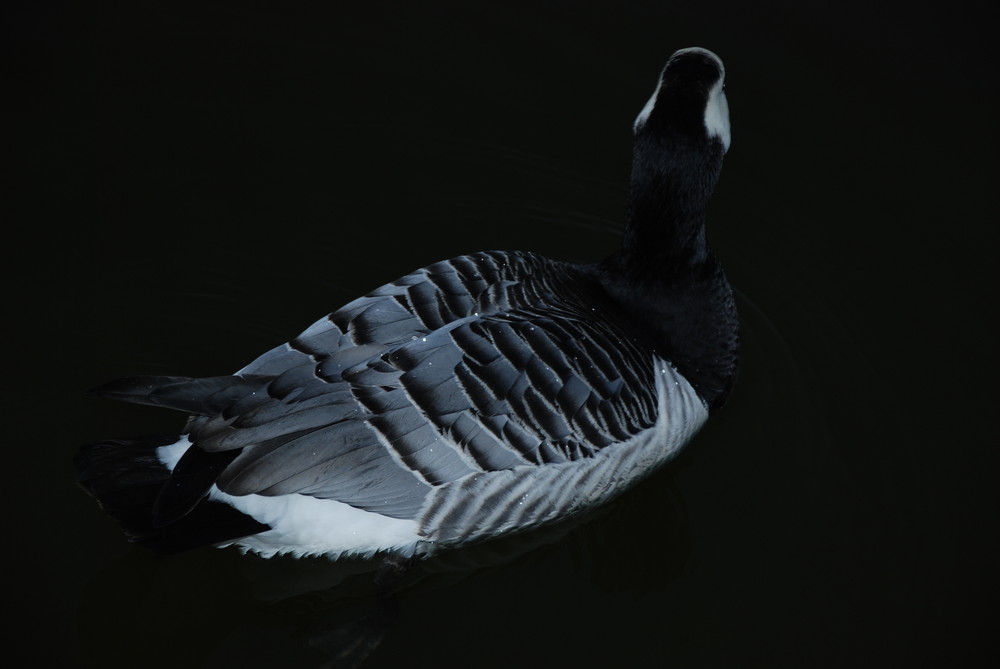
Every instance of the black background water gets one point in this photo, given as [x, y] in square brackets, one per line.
[192, 187]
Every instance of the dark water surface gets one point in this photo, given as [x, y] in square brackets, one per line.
[195, 187]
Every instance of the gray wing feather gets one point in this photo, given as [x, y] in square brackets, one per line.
[484, 363]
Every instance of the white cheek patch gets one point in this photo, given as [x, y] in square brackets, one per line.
[644, 114]
[716, 107]
[717, 116]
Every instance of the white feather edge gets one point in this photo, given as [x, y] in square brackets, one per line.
[306, 526]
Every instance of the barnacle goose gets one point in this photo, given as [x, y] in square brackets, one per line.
[486, 394]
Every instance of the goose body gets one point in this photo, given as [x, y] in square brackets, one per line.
[481, 395]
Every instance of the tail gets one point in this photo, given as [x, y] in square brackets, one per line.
[132, 485]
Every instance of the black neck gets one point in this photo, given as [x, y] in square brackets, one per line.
[665, 273]
[672, 180]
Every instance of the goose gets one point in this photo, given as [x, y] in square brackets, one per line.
[479, 396]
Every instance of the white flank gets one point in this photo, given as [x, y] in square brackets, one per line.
[303, 525]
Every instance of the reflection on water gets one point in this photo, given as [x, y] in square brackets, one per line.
[241, 610]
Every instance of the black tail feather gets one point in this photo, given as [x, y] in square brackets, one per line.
[190, 481]
[126, 478]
